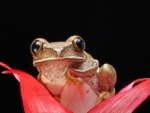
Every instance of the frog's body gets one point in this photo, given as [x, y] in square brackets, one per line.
[54, 60]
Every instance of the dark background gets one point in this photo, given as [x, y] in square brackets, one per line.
[115, 32]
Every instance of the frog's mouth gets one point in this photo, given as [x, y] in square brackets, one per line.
[55, 67]
[72, 59]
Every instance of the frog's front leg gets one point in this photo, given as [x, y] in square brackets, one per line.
[106, 81]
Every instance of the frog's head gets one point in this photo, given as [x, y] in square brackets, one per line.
[72, 49]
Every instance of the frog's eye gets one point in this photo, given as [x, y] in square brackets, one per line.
[36, 47]
[79, 44]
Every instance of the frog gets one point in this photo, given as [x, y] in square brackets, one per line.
[54, 60]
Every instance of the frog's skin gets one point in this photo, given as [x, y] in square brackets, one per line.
[53, 60]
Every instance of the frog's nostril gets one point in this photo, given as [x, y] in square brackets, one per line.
[58, 51]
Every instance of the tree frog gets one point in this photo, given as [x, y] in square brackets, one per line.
[54, 59]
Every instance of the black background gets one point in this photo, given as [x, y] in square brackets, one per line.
[115, 32]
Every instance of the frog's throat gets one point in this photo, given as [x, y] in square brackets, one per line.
[52, 74]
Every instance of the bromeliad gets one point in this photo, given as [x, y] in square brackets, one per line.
[68, 72]
[71, 81]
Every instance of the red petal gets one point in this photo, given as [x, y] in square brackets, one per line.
[127, 100]
[7, 67]
[78, 98]
[36, 99]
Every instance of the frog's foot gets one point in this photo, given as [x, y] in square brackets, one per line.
[106, 78]
[104, 95]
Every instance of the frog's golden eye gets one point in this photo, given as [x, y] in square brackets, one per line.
[36, 47]
[79, 44]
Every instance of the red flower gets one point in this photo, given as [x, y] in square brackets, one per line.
[36, 99]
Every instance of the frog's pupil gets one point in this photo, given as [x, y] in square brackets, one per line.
[80, 43]
[36, 46]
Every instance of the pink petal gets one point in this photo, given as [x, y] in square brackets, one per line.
[78, 98]
[127, 100]
[35, 97]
